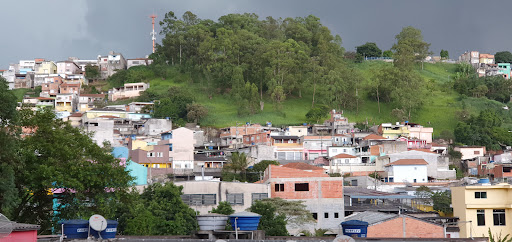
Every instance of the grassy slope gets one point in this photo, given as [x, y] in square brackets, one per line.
[439, 109]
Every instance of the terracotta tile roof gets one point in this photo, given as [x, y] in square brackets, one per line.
[438, 145]
[318, 137]
[45, 98]
[302, 166]
[373, 137]
[92, 95]
[405, 162]
[108, 116]
[339, 156]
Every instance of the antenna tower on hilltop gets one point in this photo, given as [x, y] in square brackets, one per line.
[153, 34]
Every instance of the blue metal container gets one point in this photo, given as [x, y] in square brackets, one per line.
[109, 233]
[76, 228]
[484, 181]
[355, 228]
[245, 221]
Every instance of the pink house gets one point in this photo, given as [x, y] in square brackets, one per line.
[22, 232]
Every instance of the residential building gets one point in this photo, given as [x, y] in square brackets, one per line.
[407, 171]
[321, 194]
[386, 225]
[68, 67]
[111, 63]
[24, 80]
[39, 102]
[137, 107]
[316, 146]
[483, 207]
[233, 136]
[65, 102]
[472, 58]
[282, 139]
[486, 58]
[504, 69]
[203, 196]
[496, 171]
[70, 87]
[129, 90]
[47, 67]
[154, 156]
[288, 151]
[180, 146]
[83, 63]
[102, 128]
[437, 167]
[262, 138]
[470, 152]
[338, 123]
[51, 86]
[393, 131]
[86, 101]
[138, 62]
[10, 75]
[417, 131]
[342, 159]
[298, 131]
[27, 65]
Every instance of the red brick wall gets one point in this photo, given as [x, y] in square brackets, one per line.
[414, 229]
[332, 189]
[290, 193]
[284, 172]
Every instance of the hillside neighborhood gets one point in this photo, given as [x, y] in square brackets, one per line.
[102, 136]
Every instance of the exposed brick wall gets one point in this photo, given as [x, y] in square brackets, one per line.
[284, 172]
[414, 229]
[332, 189]
[290, 193]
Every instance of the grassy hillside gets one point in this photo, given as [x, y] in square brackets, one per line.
[438, 112]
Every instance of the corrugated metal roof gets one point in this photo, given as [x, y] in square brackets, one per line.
[370, 217]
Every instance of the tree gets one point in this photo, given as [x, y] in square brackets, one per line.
[442, 201]
[55, 155]
[409, 48]
[174, 105]
[444, 54]
[223, 208]
[387, 53]
[503, 57]
[317, 113]
[236, 167]
[92, 72]
[255, 172]
[196, 112]
[271, 222]
[425, 194]
[161, 211]
[295, 212]
[369, 50]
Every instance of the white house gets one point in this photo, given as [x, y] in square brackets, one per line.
[336, 150]
[407, 170]
[341, 159]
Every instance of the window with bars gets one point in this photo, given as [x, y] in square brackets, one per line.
[498, 217]
[235, 198]
[199, 199]
[279, 187]
[259, 196]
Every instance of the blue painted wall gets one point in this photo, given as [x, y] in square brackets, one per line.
[137, 171]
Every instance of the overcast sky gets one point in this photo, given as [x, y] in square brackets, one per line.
[57, 29]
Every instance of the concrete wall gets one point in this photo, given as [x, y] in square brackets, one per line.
[430, 158]
[221, 189]
[409, 173]
[154, 127]
[469, 152]
[103, 131]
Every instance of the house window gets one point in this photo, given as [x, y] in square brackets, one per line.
[507, 169]
[476, 152]
[480, 217]
[315, 216]
[334, 150]
[326, 215]
[235, 198]
[498, 217]
[336, 215]
[353, 183]
[150, 154]
[199, 199]
[170, 147]
[480, 194]
[259, 196]
[347, 161]
[279, 187]
[301, 187]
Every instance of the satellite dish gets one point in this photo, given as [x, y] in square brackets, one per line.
[6, 226]
[98, 222]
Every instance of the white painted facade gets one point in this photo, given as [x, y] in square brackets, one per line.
[407, 173]
[470, 152]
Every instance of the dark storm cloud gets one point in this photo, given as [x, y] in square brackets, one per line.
[61, 28]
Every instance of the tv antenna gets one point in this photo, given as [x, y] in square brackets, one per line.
[6, 226]
[98, 223]
[153, 33]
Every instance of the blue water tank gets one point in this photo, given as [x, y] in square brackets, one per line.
[484, 181]
[76, 228]
[355, 228]
[245, 220]
[109, 232]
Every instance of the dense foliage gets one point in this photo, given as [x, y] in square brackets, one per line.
[484, 129]
[273, 223]
[503, 57]
[369, 49]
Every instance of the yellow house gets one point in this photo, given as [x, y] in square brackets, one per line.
[47, 67]
[390, 131]
[483, 207]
